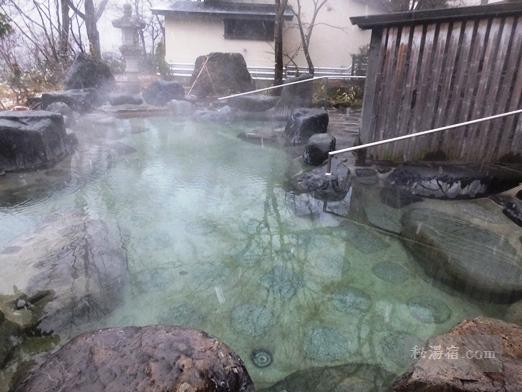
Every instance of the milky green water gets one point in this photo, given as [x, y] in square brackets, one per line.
[215, 243]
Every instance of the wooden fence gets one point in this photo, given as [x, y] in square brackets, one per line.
[435, 68]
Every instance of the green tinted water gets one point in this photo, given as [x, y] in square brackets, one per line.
[215, 243]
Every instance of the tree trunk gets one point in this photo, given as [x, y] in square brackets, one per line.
[278, 43]
[92, 29]
[64, 29]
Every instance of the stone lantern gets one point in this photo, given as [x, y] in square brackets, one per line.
[131, 50]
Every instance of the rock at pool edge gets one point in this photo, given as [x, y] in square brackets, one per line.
[146, 359]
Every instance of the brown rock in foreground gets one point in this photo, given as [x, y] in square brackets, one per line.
[166, 359]
[479, 355]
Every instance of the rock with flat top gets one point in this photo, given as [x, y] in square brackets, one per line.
[147, 359]
[31, 140]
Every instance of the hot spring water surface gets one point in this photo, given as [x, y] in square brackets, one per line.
[214, 243]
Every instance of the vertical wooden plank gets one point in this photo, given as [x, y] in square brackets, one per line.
[494, 102]
[472, 81]
[423, 85]
[485, 91]
[410, 88]
[396, 91]
[385, 95]
[449, 72]
[456, 100]
[436, 79]
[375, 60]
[508, 84]
[511, 123]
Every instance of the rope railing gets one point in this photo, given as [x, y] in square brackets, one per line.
[413, 135]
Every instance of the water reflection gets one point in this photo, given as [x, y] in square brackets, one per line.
[216, 240]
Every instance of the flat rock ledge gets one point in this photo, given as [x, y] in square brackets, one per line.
[133, 359]
[33, 139]
[480, 355]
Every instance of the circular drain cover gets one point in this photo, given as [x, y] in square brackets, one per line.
[261, 358]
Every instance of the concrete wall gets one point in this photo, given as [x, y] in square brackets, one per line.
[334, 38]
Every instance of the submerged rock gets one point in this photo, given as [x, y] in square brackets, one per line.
[352, 301]
[304, 123]
[397, 347]
[473, 258]
[343, 378]
[251, 320]
[282, 282]
[429, 310]
[141, 359]
[32, 139]
[220, 74]
[71, 270]
[477, 355]
[324, 344]
[391, 272]
[87, 72]
[317, 149]
[161, 92]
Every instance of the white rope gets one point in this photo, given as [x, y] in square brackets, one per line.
[412, 135]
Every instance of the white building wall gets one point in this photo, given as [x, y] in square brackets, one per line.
[333, 41]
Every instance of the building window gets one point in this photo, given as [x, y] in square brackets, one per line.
[258, 30]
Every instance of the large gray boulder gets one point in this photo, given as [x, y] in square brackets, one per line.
[304, 123]
[317, 149]
[161, 92]
[80, 100]
[148, 359]
[71, 270]
[220, 74]
[343, 378]
[467, 247]
[480, 355]
[32, 139]
[88, 72]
